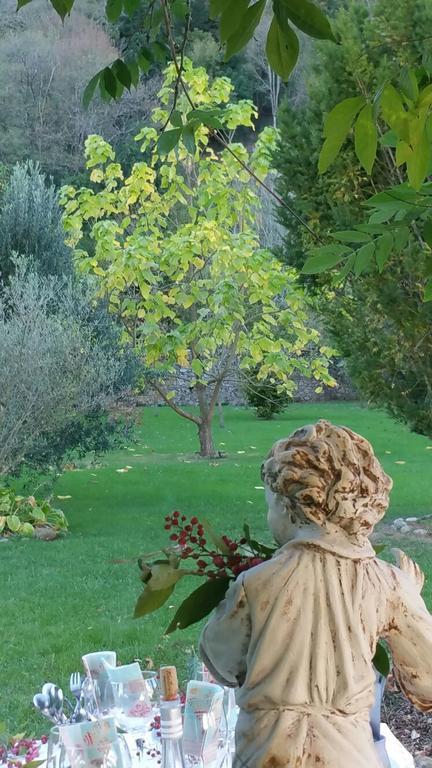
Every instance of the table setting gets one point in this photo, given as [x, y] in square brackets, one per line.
[122, 716]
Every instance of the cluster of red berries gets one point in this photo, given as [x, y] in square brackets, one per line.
[190, 537]
[21, 750]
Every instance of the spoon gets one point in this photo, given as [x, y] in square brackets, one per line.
[42, 702]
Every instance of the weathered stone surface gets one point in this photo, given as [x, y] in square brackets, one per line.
[404, 529]
[398, 523]
[420, 532]
[411, 519]
[423, 762]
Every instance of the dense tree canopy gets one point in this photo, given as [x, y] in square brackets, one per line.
[379, 321]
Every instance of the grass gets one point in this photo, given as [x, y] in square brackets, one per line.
[62, 599]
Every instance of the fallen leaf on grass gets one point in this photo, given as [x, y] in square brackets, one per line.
[259, 487]
[130, 449]
[387, 452]
[122, 470]
[241, 451]
[400, 462]
[253, 446]
[222, 443]
[213, 464]
[64, 497]
[250, 502]
[128, 467]
[429, 447]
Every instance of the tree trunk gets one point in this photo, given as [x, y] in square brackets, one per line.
[221, 415]
[206, 439]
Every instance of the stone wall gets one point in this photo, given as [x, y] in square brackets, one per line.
[232, 393]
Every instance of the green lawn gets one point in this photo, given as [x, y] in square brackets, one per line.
[64, 598]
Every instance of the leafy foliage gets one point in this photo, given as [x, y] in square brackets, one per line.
[20, 516]
[238, 20]
[264, 396]
[59, 374]
[31, 224]
[379, 323]
[176, 250]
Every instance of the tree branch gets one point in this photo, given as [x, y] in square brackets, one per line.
[173, 405]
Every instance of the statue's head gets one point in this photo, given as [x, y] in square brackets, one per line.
[327, 476]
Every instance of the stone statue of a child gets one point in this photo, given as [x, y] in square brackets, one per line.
[297, 633]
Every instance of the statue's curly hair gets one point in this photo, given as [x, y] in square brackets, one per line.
[329, 475]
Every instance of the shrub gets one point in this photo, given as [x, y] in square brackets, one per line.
[263, 395]
[31, 224]
[62, 367]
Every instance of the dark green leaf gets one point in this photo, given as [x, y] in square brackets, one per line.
[401, 236]
[150, 600]
[427, 232]
[381, 660]
[282, 49]
[113, 9]
[199, 604]
[160, 51]
[350, 236]
[145, 59]
[396, 197]
[244, 32]
[346, 269]
[418, 164]
[388, 139]
[393, 112]
[176, 119]
[382, 216]
[133, 68]
[131, 6]
[122, 73]
[336, 128]
[90, 90]
[218, 6]
[110, 82]
[309, 18]
[63, 7]
[188, 136]
[261, 548]
[205, 116]
[168, 140]
[427, 295]
[324, 258]
[364, 257]
[179, 9]
[22, 3]
[383, 247]
[376, 102]
[378, 548]
[102, 90]
[232, 18]
[365, 138]
[408, 83]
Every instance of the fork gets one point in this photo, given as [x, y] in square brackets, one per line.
[75, 685]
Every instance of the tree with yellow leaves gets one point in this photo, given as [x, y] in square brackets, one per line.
[175, 248]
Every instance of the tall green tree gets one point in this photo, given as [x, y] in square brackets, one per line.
[380, 322]
[177, 253]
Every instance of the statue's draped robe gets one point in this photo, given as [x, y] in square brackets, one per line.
[297, 635]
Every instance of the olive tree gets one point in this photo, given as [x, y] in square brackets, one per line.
[58, 373]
